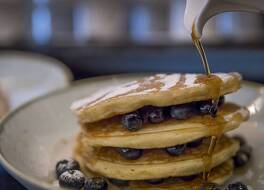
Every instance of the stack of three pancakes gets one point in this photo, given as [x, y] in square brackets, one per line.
[169, 154]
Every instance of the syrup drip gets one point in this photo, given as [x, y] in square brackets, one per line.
[199, 46]
[215, 84]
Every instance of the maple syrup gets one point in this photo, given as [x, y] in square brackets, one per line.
[215, 84]
[199, 46]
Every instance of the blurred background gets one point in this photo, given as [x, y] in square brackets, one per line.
[98, 37]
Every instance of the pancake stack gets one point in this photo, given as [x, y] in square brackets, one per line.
[161, 132]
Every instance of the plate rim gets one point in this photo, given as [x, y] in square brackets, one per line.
[50, 63]
[38, 183]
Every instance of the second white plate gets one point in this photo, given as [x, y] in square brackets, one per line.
[24, 76]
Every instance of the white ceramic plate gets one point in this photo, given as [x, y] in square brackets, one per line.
[24, 76]
[36, 135]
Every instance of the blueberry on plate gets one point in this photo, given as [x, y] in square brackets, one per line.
[241, 158]
[119, 182]
[72, 179]
[154, 181]
[237, 186]
[242, 141]
[247, 150]
[132, 121]
[65, 165]
[130, 153]
[195, 143]
[95, 183]
[209, 186]
[156, 115]
[176, 150]
[183, 111]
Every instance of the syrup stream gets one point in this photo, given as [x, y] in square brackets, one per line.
[207, 158]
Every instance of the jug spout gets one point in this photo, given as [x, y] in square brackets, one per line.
[198, 12]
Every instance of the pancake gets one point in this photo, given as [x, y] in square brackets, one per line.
[110, 132]
[158, 90]
[219, 175]
[154, 163]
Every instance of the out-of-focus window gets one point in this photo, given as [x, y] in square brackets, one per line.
[41, 22]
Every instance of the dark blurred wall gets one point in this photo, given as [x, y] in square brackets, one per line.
[111, 22]
[96, 37]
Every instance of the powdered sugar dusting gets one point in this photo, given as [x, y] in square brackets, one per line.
[120, 90]
[190, 79]
[142, 92]
[169, 81]
[163, 81]
[73, 175]
[78, 104]
[225, 77]
[104, 95]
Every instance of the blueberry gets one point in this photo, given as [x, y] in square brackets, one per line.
[166, 112]
[152, 114]
[241, 159]
[209, 186]
[95, 183]
[176, 150]
[65, 165]
[243, 156]
[156, 115]
[213, 111]
[130, 153]
[221, 101]
[132, 121]
[189, 178]
[119, 183]
[144, 113]
[237, 186]
[154, 181]
[183, 111]
[195, 143]
[206, 107]
[242, 140]
[72, 179]
[247, 150]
